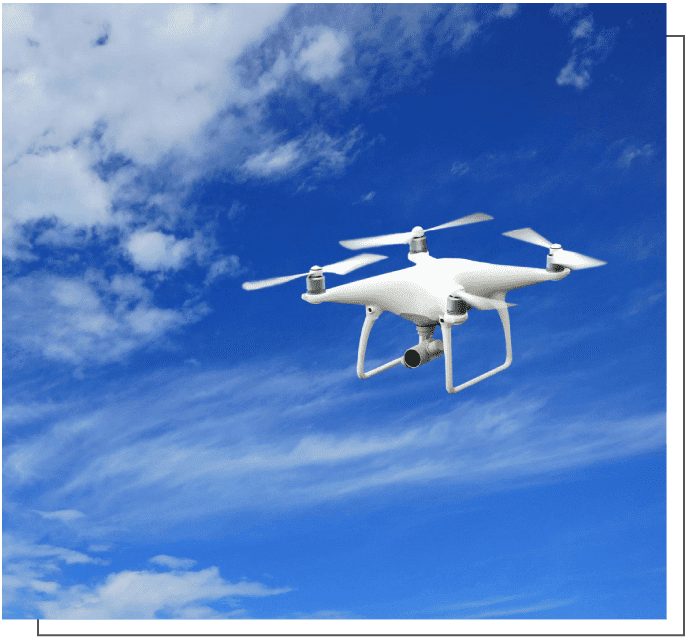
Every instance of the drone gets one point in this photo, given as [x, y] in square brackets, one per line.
[433, 292]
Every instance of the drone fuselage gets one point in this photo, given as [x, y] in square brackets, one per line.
[419, 293]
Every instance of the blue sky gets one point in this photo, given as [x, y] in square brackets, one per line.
[177, 447]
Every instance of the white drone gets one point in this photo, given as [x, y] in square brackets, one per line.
[433, 292]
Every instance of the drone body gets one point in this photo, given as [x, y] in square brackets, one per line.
[419, 293]
[433, 292]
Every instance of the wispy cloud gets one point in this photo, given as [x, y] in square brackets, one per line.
[173, 563]
[144, 457]
[643, 298]
[459, 168]
[77, 321]
[519, 611]
[317, 149]
[32, 573]
[61, 515]
[590, 46]
[630, 152]
[567, 11]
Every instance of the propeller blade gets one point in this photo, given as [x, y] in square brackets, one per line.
[349, 265]
[482, 303]
[381, 240]
[575, 261]
[339, 268]
[404, 238]
[530, 236]
[470, 219]
[275, 281]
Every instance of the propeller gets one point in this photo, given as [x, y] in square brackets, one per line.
[339, 268]
[559, 257]
[404, 238]
[481, 303]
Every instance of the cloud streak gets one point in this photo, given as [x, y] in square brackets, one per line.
[128, 594]
[590, 46]
[148, 457]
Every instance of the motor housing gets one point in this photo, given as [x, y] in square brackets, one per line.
[314, 282]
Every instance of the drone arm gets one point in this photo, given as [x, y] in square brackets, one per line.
[371, 316]
[448, 354]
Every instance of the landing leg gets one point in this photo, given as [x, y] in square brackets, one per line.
[448, 354]
[372, 314]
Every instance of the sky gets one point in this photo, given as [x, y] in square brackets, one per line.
[175, 447]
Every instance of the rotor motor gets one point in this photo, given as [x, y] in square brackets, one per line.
[456, 306]
[314, 282]
[550, 265]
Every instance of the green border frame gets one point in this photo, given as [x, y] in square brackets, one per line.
[674, 626]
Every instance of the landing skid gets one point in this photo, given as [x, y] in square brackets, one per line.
[373, 313]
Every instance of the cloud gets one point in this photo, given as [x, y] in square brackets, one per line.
[145, 594]
[321, 58]
[173, 563]
[642, 299]
[583, 28]
[138, 457]
[153, 250]
[567, 11]
[507, 10]
[14, 549]
[61, 515]
[518, 611]
[459, 168]
[327, 614]
[77, 321]
[55, 185]
[120, 595]
[16, 413]
[317, 149]
[631, 152]
[114, 113]
[589, 46]
[224, 267]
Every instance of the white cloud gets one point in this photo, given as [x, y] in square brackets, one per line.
[321, 58]
[163, 73]
[224, 267]
[32, 573]
[16, 413]
[64, 516]
[144, 594]
[641, 299]
[517, 611]
[567, 11]
[57, 185]
[575, 73]
[369, 196]
[327, 614]
[85, 321]
[153, 250]
[99, 547]
[583, 28]
[280, 160]
[507, 10]
[589, 47]
[14, 548]
[630, 152]
[317, 149]
[173, 563]
[459, 168]
[138, 456]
